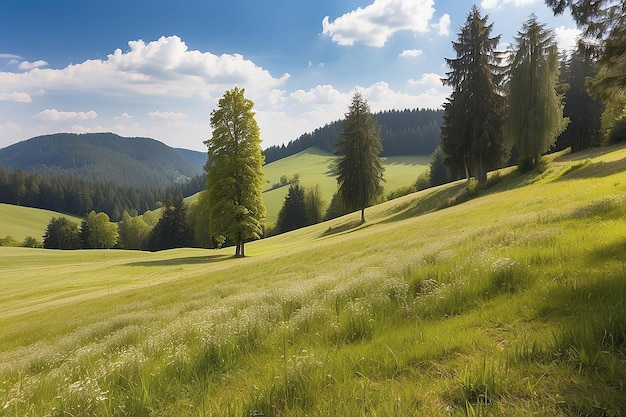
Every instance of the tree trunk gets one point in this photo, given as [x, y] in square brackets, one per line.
[363, 215]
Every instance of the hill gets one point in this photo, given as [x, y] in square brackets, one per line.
[449, 302]
[20, 222]
[403, 132]
[314, 167]
[102, 157]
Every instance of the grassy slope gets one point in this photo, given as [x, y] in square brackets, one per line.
[313, 166]
[20, 222]
[511, 303]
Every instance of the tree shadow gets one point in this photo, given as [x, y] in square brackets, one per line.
[189, 260]
[342, 228]
[611, 252]
[594, 170]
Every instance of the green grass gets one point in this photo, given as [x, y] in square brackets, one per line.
[315, 168]
[20, 222]
[509, 303]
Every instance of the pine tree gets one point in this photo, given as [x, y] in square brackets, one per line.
[360, 171]
[471, 134]
[235, 175]
[535, 117]
[292, 215]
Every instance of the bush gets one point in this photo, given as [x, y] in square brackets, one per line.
[31, 242]
[618, 132]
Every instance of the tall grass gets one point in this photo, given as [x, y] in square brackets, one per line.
[511, 303]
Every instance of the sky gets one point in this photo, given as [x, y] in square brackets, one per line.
[157, 68]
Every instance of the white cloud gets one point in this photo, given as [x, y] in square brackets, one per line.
[25, 65]
[429, 79]
[443, 25]
[10, 56]
[566, 38]
[55, 115]
[411, 53]
[16, 96]
[168, 115]
[497, 4]
[124, 116]
[376, 23]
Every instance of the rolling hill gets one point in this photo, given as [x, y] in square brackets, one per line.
[505, 301]
[102, 157]
[20, 222]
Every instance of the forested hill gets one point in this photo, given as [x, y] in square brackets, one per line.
[403, 132]
[102, 157]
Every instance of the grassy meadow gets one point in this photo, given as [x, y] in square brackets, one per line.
[314, 167]
[505, 301]
[20, 222]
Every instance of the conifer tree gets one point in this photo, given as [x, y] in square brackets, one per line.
[292, 215]
[535, 117]
[360, 171]
[235, 176]
[471, 134]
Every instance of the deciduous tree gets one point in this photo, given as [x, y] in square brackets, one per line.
[360, 170]
[61, 233]
[235, 175]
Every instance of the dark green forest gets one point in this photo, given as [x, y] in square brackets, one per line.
[403, 132]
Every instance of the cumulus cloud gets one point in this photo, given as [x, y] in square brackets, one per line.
[55, 115]
[163, 67]
[167, 115]
[27, 66]
[497, 4]
[411, 53]
[124, 116]
[19, 97]
[443, 25]
[567, 38]
[429, 79]
[376, 23]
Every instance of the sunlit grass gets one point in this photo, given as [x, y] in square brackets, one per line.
[510, 303]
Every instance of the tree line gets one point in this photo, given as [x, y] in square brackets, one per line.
[403, 132]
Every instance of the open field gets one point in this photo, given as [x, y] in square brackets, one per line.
[20, 222]
[314, 168]
[510, 302]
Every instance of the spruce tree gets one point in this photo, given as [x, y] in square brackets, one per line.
[234, 167]
[535, 117]
[360, 170]
[471, 134]
[292, 215]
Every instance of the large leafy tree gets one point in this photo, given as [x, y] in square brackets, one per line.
[359, 168]
[471, 134]
[535, 117]
[235, 176]
[98, 232]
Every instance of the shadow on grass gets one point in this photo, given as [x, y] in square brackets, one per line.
[614, 251]
[342, 228]
[189, 260]
[594, 170]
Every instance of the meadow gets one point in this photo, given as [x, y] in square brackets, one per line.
[20, 222]
[454, 301]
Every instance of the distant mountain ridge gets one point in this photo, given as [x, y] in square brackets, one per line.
[104, 157]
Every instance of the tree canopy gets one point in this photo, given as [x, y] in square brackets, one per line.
[471, 134]
[535, 116]
[360, 170]
[61, 233]
[234, 168]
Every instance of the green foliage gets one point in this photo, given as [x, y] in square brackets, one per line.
[61, 233]
[134, 232]
[336, 208]
[535, 116]
[98, 232]
[314, 205]
[198, 219]
[471, 134]
[618, 132]
[293, 214]
[360, 171]
[438, 173]
[31, 242]
[8, 240]
[172, 230]
[235, 175]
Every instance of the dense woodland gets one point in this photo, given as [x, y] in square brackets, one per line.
[403, 132]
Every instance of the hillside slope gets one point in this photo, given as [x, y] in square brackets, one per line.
[103, 157]
[20, 222]
[508, 301]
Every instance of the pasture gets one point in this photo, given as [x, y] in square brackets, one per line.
[507, 301]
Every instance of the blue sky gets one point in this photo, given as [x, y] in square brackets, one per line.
[157, 68]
